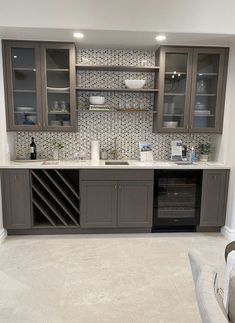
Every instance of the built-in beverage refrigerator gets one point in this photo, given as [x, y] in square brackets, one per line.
[177, 199]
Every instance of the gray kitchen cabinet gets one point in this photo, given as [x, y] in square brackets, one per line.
[98, 204]
[16, 199]
[135, 203]
[40, 86]
[214, 198]
[124, 199]
[192, 84]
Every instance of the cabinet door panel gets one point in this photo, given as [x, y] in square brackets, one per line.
[135, 203]
[174, 89]
[23, 85]
[208, 86]
[59, 93]
[98, 204]
[16, 199]
[214, 198]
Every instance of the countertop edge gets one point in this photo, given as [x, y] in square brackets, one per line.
[135, 165]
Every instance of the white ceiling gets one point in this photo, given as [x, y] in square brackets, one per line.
[120, 23]
[114, 39]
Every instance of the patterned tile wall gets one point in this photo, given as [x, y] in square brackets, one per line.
[128, 128]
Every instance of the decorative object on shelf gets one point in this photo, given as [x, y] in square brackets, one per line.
[57, 89]
[135, 84]
[25, 109]
[205, 150]
[56, 146]
[99, 100]
[170, 124]
[97, 107]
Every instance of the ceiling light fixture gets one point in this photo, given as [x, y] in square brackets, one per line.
[78, 35]
[160, 38]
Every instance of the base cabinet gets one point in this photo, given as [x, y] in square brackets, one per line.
[16, 199]
[116, 203]
[214, 198]
[98, 204]
[135, 200]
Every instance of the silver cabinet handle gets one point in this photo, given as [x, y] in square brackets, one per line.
[214, 177]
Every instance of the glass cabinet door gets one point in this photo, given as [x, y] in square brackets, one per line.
[174, 89]
[59, 86]
[24, 91]
[207, 86]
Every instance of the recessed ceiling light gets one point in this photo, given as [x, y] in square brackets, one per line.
[160, 38]
[78, 35]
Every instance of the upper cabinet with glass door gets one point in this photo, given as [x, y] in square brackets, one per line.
[191, 89]
[174, 85]
[58, 70]
[40, 86]
[208, 88]
[23, 85]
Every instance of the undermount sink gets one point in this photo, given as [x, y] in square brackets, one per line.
[116, 162]
[184, 163]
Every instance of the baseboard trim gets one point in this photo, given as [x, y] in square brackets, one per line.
[228, 233]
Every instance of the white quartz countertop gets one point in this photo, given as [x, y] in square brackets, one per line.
[88, 164]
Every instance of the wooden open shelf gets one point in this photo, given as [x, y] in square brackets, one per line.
[118, 68]
[55, 198]
[115, 90]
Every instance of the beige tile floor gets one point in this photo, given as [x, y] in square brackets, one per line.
[128, 278]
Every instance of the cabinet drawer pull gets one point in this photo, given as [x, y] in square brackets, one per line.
[187, 126]
[214, 177]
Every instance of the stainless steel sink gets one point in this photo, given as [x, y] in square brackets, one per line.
[184, 163]
[116, 162]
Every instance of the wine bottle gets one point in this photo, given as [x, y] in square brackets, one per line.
[33, 151]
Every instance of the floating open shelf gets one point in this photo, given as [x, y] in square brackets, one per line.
[115, 90]
[118, 68]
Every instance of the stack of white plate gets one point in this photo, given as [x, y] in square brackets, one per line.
[55, 123]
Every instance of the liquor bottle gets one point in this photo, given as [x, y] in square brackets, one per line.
[33, 152]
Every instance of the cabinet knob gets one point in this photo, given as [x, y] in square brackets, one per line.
[214, 177]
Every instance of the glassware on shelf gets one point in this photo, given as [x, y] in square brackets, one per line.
[201, 87]
[63, 106]
[55, 106]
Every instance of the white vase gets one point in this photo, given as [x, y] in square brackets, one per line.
[55, 154]
[204, 157]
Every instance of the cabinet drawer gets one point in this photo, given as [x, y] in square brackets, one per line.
[116, 175]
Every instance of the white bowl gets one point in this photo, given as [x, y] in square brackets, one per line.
[97, 99]
[135, 84]
[170, 124]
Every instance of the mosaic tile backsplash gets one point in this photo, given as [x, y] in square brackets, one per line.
[128, 128]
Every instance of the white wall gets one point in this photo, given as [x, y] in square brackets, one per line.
[190, 16]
